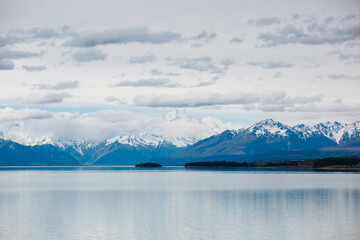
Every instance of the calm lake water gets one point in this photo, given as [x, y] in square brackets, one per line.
[175, 203]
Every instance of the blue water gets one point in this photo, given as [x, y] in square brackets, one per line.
[176, 203]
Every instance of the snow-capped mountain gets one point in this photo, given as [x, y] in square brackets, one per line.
[209, 125]
[214, 125]
[272, 140]
[338, 132]
[269, 127]
[264, 137]
[143, 139]
[335, 131]
[177, 115]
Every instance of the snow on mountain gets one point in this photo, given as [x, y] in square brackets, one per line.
[176, 115]
[215, 124]
[150, 140]
[183, 142]
[304, 131]
[332, 130]
[269, 127]
[337, 132]
[141, 140]
[28, 141]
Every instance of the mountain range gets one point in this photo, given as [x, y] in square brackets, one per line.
[267, 140]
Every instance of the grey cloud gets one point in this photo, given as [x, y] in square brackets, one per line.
[304, 99]
[156, 72]
[122, 36]
[196, 45]
[47, 98]
[342, 76]
[267, 101]
[202, 64]
[265, 21]
[44, 33]
[34, 68]
[59, 86]
[92, 39]
[330, 31]
[349, 17]
[295, 16]
[227, 62]
[111, 99]
[66, 85]
[335, 107]
[10, 114]
[12, 37]
[6, 64]
[279, 101]
[87, 55]
[6, 55]
[193, 99]
[277, 75]
[142, 59]
[150, 82]
[9, 54]
[271, 64]
[350, 56]
[236, 40]
[205, 36]
[204, 84]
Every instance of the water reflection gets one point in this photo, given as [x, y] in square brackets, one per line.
[178, 205]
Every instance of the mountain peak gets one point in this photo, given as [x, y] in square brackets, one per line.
[269, 127]
[268, 121]
[134, 140]
[178, 114]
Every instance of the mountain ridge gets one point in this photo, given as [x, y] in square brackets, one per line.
[267, 139]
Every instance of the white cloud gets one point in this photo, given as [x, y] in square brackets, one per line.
[10, 114]
[98, 125]
[227, 57]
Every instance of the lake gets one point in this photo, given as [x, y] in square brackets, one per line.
[45, 203]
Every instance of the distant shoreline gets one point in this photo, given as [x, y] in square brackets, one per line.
[325, 164]
[285, 168]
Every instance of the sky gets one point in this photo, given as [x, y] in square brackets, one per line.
[130, 62]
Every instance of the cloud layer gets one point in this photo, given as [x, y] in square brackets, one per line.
[122, 36]
[87, 55]
[315, 32]
[267, 101]
[150, 82]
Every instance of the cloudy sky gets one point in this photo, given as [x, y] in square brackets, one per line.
[234, 60]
